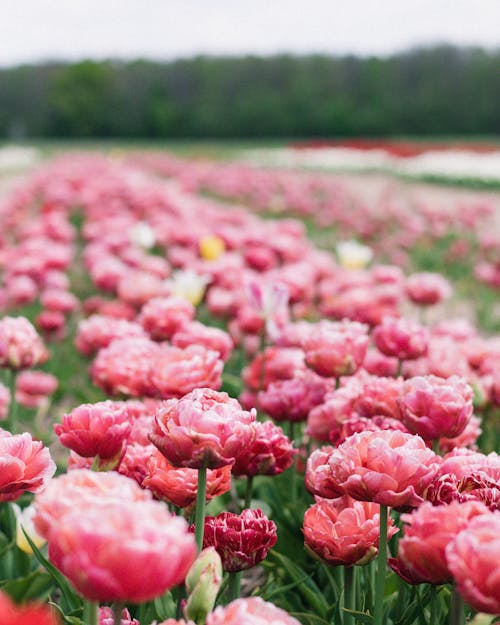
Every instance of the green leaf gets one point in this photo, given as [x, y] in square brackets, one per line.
[364, 617]
[36, 585]
[305, 585]
[72, 599]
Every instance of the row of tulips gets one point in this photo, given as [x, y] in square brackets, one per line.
[402, 472]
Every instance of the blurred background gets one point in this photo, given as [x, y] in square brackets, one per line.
[267, 70]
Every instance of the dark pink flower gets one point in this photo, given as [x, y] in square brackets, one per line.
[96, 430]
[162, 317]
[434, 407]
[241, 540]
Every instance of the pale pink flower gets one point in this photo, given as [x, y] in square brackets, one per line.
[106, 617]
[176, 371]
[92, 543]
[99, 331]
[214, 339]
[162, 317]
[401, 338]
[34, 387]
[20, 345]
[473, 559]
[336, 348]
[274, 363]
[126, 367]
[82, 487]
[4, 402]
[390, 468]
[427, 289]
[250, 611]
[203, 428]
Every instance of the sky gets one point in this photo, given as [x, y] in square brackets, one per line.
[35, 30]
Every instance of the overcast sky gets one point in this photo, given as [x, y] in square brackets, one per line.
[32, 30]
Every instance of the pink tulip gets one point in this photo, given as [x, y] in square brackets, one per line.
[99, 429]
[270, 453]
[250, 611]
[91, 544]
[4, 402]
[99, 331]
[473, 559]
[203, 428]
[389, 468]
[20, 345]
[162, 317]
[275, 363]
[179, 485]
[126, 366]
[293, 399]
[433, 407]
[427, 289]
[428, 531]
[318, 478]
[214, 339]
[26, 465]
[344, 532]
[401, 338]
[335, 349]
[82, 487]
[177, 372]
[242, 540]
[33, 388]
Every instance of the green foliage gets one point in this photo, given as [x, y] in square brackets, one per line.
[434, 91]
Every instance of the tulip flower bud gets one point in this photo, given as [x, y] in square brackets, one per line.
[202, 583]
[24, 521]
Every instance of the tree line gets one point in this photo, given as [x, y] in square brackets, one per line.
[442, 90]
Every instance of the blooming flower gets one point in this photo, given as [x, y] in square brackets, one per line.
[92, 543]
[20, 345]
[390, 468]
[203, 428]
[250, 611]
[473, 558]
[180, 485]
[99, 429]
[26, 465]
[162, 317]
[336, 348]
[242, 540]
[401, 338]
[433, 407]
[270, 453]
[344, 532]
[428, 531]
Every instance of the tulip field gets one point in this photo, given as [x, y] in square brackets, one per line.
[240, 395]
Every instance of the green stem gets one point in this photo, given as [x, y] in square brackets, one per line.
[117, 612]
[200, 507]
[248, 491]
[12, 417]
[457, 614]
[349, 593]
[378, 611]
[399, 370]
[435, 446]
[434, 606]
[293, 468]
[234, 586]
[90, 613]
